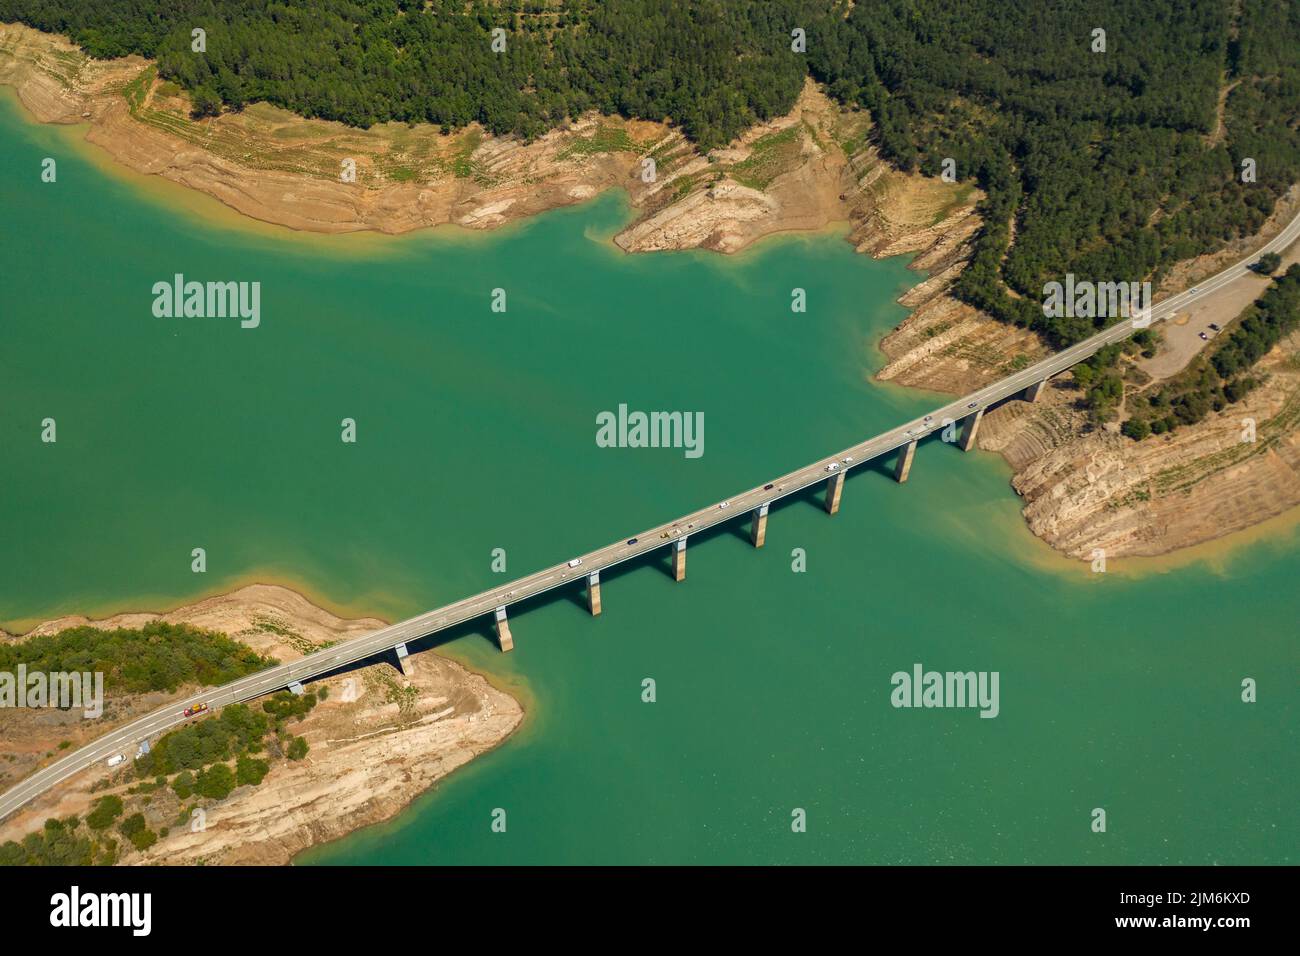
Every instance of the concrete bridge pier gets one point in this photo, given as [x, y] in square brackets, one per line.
[1034, 392]
[679, 559]
[593, 593]
[971, 429]
[504, 640]
[758, 528]
[904, 466]
[404, 662]
[834, 488]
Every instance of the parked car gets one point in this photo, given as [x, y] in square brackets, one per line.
[1203, 335]
[116, 759]
[1215, 326]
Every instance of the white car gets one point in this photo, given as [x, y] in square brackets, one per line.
[575, 562]
[833, 466]
[725, 504]
[848, 460]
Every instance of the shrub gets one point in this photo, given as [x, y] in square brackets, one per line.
[1136, 428]
[215, 782]
[107, 809]
[183, 785]
[249, 770]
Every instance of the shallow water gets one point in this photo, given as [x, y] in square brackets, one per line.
[476, 431]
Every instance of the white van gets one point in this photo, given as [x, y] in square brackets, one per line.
[116, 759]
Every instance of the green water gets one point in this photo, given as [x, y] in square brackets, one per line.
[476, 431]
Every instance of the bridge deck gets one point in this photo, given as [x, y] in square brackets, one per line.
[480, 605]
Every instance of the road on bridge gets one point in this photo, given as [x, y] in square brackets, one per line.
[125, 739]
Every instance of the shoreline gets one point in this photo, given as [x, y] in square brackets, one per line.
[373, 751]
[1216, 555]
[250, 812]
[717, 203]
[1170, 499]
[160, 606]
[207, 214]
[813, 188]
[1213, 553]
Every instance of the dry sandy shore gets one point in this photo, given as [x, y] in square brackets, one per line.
[280, 168]
[1083, 489]
[377, 741]
[372, 754]
[1087, 488]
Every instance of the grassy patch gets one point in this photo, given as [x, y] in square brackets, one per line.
[769, 157]
[136, 90]
[608, 138]
[462, 167]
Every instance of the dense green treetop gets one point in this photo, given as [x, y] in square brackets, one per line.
[715, 67]
[1110, 165]
[158, 656]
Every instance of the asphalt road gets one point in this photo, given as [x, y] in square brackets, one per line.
[125, 739]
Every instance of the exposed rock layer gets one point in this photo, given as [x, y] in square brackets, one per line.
[797, 172]
[377, 741]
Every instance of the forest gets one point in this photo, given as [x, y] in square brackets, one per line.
[1112, 162]
[1109, 165]
[158, 656]
[715, 67]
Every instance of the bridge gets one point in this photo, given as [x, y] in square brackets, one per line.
[584, 571]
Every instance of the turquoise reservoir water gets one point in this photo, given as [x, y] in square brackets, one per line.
[476, 430]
